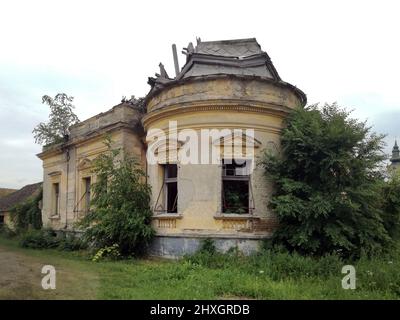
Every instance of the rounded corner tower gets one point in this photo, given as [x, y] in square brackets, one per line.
[229, 97]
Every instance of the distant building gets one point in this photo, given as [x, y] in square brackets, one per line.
[395, 159]
[230, 95]
[14, 198]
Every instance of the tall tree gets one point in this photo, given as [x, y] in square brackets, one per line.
[120, 212]
[328, 184]
[60, 119]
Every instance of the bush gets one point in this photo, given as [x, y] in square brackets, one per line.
[72, 243]
[27, 214]
[39, 239]
[6, 232]
[208, 246]
[120, 212]
[328, 184]
[391, 204]
[111, 252]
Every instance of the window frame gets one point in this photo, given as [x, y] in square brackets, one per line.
[240, 178]
[87, 193]
[167, 181]
[55, 210]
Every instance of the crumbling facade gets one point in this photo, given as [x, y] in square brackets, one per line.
[198, 137]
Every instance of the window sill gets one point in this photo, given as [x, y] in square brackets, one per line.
[235, 216]
[168, 216]
[54, 217]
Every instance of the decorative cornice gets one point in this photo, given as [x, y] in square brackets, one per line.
[271, 109]
[155, 91]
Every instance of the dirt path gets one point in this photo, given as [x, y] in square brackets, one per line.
[20, 277]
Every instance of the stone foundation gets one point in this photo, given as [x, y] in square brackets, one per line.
[178, 246]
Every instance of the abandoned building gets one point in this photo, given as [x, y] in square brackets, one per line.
[17, 197]
[230, 88]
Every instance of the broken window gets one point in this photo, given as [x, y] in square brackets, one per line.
[171, 187]
[56, 199]
[87, 184]
[235, 186]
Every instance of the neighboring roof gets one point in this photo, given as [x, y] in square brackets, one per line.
[239, 57]
[5, 191]
[19, 196]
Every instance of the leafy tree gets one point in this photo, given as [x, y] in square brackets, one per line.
[328, 184]
[27, 214]
[391, 204]
[120, 215]
[60, 119]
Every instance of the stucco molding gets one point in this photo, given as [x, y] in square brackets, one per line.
[281, 84]
[201, 106]
[167, 216]
[233, 216]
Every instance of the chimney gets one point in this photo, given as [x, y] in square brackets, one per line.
[176, 63]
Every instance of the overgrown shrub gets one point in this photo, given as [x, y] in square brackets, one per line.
[120, 209]
[110, 252]
[207, 245]
[39, 239]
[391, 204]
[48, 239]
[6, 232]
[327, 183]
[72, 243]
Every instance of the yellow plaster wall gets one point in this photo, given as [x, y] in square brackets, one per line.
[217, 104]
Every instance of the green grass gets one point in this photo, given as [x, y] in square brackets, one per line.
[266, 276]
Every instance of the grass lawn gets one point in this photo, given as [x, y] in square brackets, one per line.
[269, 276]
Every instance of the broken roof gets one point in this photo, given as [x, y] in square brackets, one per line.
[229, 48]
[239, 57]
[7, 202]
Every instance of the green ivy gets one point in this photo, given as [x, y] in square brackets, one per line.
[27, 214]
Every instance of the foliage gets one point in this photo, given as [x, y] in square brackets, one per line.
[208, 246]
[111, 252]
[39, 239]
[391, 204]
[236, 200]
[72, 243]
[48, 239]
[120, 212]
[327, 182]
[6, 232]
[60, 119]
[27, 214]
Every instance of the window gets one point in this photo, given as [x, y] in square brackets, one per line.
[1, 220]
[87, 193]
[171, 187]
[235, 186]
[56, 199]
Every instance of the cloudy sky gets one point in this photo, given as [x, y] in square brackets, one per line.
[99, 51]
